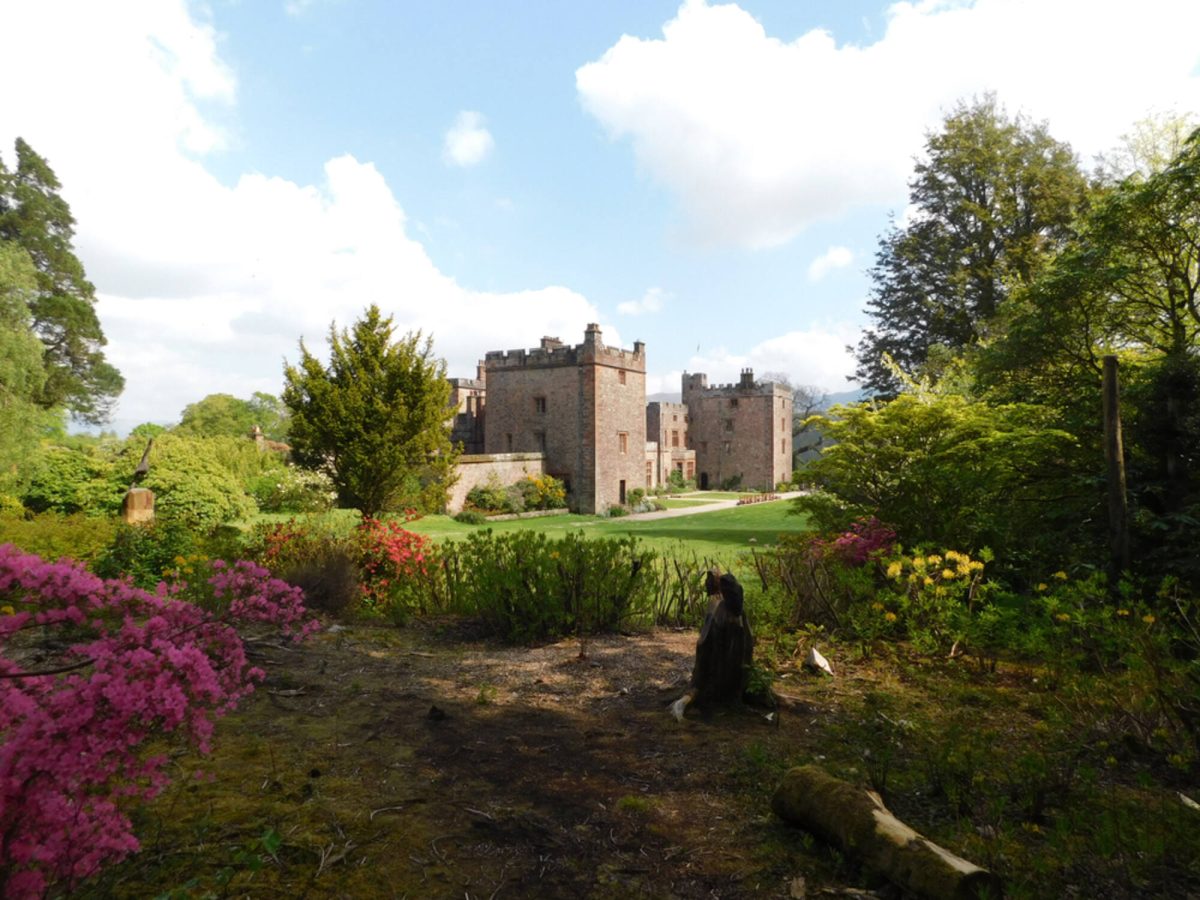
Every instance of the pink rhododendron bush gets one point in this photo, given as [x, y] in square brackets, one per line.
[91, 671]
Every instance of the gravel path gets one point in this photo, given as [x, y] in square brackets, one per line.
[693, 510]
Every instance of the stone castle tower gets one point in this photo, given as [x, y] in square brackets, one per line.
[742, 433]
[584, 407]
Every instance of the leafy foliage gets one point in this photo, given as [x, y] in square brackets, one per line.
[34, 215]
[224, 414]
[941, 469]
[994, 199]
[375, 419]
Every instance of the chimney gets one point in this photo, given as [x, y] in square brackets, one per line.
[747, 378]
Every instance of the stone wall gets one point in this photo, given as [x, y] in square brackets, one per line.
[742, 429]
[476, 470]
[668, 425]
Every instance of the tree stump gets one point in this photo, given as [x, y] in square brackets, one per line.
[724, 651]
[858, 823]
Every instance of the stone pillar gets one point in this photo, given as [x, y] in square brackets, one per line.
[138, 506]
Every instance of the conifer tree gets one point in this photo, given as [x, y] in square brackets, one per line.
[377, 420]
[34, 216]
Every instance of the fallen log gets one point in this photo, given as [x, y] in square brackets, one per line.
[859, 824]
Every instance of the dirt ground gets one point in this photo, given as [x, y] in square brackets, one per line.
[421, 763]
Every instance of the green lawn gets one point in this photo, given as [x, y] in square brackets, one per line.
[721, 532]
[718, 533]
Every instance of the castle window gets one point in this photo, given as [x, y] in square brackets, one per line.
[727, 446]
[508, 443]
[733, 403]
[620, 376]
[539, 404]
[674, 418]
[674, 438]
[540, 438]
[782, 424]
[729, 424]
[623, 441]
[782, 447]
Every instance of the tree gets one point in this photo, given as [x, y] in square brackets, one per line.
[1128, 284]
[224, 414]
[992, 202]
[376, 419]
[34, 216]
[22, 421]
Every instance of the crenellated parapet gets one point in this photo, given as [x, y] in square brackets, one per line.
[553, 353]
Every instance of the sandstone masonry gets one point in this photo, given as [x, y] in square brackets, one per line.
[742, 433]
[579, 413]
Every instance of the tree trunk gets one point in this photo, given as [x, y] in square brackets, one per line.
[859, 824]
[1114, 454]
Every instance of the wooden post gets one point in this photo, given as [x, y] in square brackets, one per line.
[1114, 455]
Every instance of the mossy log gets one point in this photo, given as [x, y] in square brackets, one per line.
[860, 825]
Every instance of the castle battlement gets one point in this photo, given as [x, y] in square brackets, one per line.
[553, 353]
[747, 386]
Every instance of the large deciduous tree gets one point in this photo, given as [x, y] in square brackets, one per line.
[376, 419]
[990, 204]
[35, 216]
[224, 414]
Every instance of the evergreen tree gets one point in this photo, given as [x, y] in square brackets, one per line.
[991, 203]
[376, 420]
[22, 421]
[34, 215]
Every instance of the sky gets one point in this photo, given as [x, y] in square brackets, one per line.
[709, 178]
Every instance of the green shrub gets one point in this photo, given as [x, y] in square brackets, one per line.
[732, 483]
[52, 535]
[635, 496]
[74, 480]
[471, 517]
[616, 511]
[292, 490]
[148, 553]
[526, 587]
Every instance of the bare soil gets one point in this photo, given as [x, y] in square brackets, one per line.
[422, 763]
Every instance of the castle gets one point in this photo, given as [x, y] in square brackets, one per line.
[580, 414]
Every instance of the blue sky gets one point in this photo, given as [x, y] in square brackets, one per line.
[709, 178]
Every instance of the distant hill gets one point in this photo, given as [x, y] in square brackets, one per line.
[855, 396]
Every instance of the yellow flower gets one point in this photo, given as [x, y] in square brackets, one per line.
[928, 581]
[1063, 617]
[890, 616]
[180, 560]
[1042, 586]
[947, 574]
[976, 566]
[955, 556]
[1148, 619]
[7, 610]
[934, 559]
[877, 606]
[1122, 612]
[1060, 575]
[893, 570]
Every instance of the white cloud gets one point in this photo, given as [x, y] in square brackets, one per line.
[651, 302]
[205, 287]
[833, 258]
[760, 138]
[468, 142]
[816, 356]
